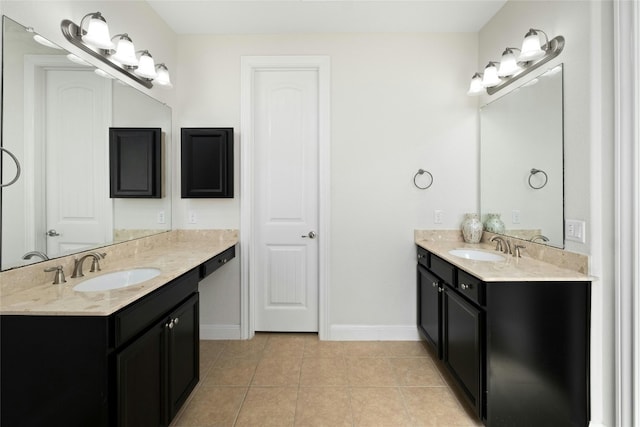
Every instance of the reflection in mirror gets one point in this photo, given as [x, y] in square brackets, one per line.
[56, 118]
[521, 160]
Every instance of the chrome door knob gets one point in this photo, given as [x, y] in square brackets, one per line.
[311, 235]
[52, 233]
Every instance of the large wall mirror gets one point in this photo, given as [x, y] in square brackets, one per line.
[521, 160]
[56, 115]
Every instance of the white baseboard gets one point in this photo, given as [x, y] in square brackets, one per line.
[373, 333]
[594, 424]
[219, 332]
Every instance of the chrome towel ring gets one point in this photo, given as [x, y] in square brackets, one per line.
[15, 159]
[535, 171]
[421, 172]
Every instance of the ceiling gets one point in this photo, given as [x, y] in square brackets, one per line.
[324, 16]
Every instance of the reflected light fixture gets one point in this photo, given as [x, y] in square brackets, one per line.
[532, 55]
[508, 64]
[475, 88]
[146, 66]
[76, 59]
[490, 76]
[103, 73]
[97, 32]
[125, 52]
[163, 78]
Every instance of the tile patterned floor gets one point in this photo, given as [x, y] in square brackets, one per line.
[297, 380]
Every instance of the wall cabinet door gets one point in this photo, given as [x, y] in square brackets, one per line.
[463, 345]
[429, 308]
[207, 162]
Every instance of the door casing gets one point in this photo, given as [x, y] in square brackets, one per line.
[249, 65]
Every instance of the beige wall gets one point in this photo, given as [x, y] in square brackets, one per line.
[398, 103]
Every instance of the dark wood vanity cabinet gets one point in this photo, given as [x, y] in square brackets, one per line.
[133, 368]
[158, 371]
[519, 351]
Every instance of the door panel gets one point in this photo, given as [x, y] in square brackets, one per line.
[286, 138]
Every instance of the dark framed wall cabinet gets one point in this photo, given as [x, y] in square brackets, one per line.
[207, 162]
[135, 162]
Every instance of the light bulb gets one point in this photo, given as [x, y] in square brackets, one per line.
[475, 88]
[97, 34]
[531, 47]
[146, 66]
[508, 64]
[490, 76]
[125, 52]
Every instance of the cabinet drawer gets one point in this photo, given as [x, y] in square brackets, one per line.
[135, 318]
[423, 257]
[471, 287]
[216, 262]
[443, 269]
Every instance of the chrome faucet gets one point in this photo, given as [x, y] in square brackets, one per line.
[95, 265]
[539, 237]
[39, 254]
[502, 244]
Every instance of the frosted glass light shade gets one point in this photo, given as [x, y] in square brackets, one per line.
[163, 78]
[508, 64]
[490, 76]
[146, 66]
[125, 52]
[97, 32]
[531, 47]
[475, 88]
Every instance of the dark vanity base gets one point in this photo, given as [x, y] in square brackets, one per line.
[519, 351]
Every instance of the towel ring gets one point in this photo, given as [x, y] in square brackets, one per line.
[17, 167]
[534, 171]
[421, 172]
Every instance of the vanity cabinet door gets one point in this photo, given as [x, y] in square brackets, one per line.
[463, 337]
[141, 380]
[429, 308]
[184, 359]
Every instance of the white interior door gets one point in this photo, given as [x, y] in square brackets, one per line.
[77, 116]
[285, 132]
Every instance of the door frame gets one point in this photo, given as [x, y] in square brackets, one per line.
[249, 66]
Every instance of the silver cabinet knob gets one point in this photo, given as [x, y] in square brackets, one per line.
[176, 320]
[311, 235]
[52, 233]
[170, 324]
[434, 284]
[465, 286]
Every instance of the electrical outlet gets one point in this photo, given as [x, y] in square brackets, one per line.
[575, 230]
[161, 217]
[437, 216]
[193, 218]
[515, 216]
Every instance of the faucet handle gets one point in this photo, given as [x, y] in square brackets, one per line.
[498, 241]
[95, 263]
[517, 252]
[59, 277]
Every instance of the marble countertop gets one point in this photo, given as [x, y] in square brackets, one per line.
[524, 269]
[173, 258]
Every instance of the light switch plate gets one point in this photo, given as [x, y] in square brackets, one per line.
[575, 230]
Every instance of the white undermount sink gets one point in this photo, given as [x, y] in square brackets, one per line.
[476, 255]
[117, 280]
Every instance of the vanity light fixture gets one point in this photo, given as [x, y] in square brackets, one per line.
[508, 63]
[146, 66]
[490, 76]
[532, 55]
[163, 78]
[95, 41]
[476, 88]
[125, 53]
[532, 49]
[97, 32]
